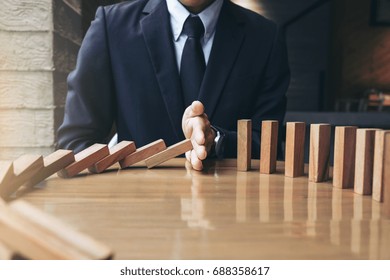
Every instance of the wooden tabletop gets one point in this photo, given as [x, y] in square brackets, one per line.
[174, 212]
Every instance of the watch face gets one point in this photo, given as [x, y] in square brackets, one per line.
[217, 137]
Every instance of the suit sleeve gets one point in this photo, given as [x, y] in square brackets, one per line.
[270, 103]
[89, 109]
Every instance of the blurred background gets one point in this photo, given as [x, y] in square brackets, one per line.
[339, 53]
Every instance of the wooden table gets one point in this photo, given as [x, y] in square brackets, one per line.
[174, 212]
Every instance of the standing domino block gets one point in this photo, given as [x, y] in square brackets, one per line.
[244, 145]
[45, 237]
[295, 149]
[386, 175]
[85, 159]
[52, 163]
[319, 152]
[379, 167]
[344, 157]
[143, 153]
[364, 159]
[170, 152]
[17, 173]
[117, 153]
[269, 146]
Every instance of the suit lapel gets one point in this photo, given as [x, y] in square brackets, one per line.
[227, 42]
[158, 37]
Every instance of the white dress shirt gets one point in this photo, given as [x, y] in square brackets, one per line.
[178, 15]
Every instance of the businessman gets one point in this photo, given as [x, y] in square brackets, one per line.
[176, 69]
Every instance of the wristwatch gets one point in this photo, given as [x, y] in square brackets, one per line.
[218, 142]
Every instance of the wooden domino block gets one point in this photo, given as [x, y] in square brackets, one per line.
[269, 146]
[85, 159]
[378, 168]
[244, 145]
[364, 159]
[295, 149]
[386, 176]
[117, 153]
[36, 235]
[319, 152]
[344, 157]
[15, 174]
[52, 163]
[143, 153]
[170, 152]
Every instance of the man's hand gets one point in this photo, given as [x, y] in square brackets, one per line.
[196, 126]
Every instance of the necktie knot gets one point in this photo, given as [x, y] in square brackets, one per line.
[193, 27]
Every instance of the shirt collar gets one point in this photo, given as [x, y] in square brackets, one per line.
[179, 15]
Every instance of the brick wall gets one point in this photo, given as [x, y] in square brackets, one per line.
[360, 52]
[39, 40]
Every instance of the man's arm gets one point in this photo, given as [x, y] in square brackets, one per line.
[90, 102]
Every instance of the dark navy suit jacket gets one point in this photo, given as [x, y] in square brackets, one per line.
[127, 75]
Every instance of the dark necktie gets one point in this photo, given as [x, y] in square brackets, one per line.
[192, 61]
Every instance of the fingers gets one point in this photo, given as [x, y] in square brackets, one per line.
[195, 161]
[194, 110]
[196, 126]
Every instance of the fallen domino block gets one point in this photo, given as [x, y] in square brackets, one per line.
[5, 252]
[52, 163]
[15, 174]
[170, 152]
[143, 153]
[117, 153]
[85, 159]
[37, 235]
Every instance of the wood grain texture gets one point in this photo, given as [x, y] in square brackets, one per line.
[386, 176]
[378, 168]
[319, 152]
[24, 168]
[117, 153]
[46, 237]
[5, 252]
[344, 157]
[85, 245]
[364, 161]
[85, 159]
[143, 153]
[171, 152]
[52, 163]
[218, 213]
[295, 149]
[244, 145]
[269, 146]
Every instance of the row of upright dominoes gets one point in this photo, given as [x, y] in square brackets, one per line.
[359, 154]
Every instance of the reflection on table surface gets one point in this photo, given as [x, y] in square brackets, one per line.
[174, 212]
